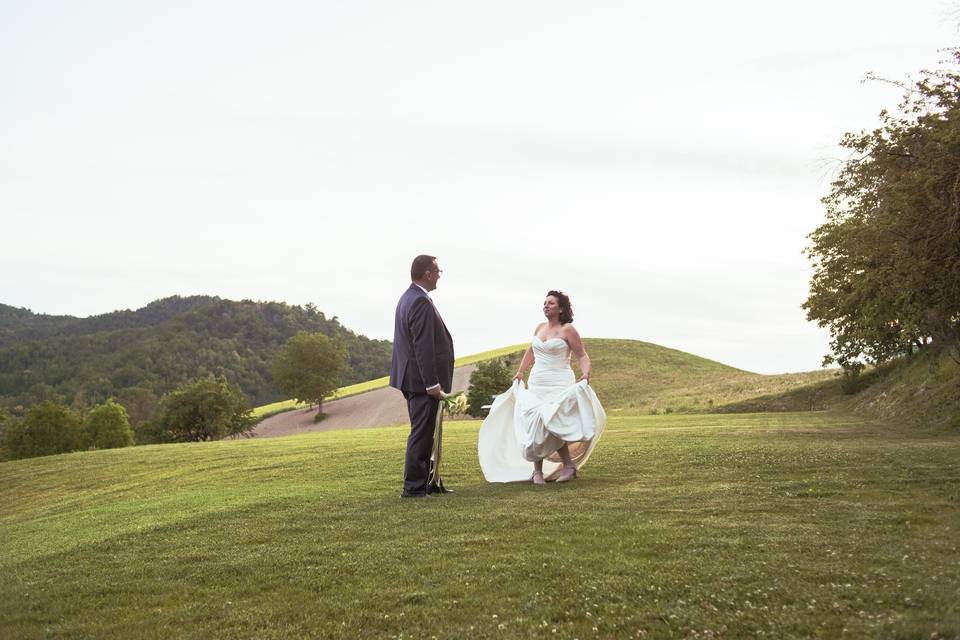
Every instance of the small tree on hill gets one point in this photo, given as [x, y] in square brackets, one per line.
[48, 428]
[489, 379]
[107, 427]
[208, 409]
[310, 367]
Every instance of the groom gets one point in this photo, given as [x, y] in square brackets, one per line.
[422, 368]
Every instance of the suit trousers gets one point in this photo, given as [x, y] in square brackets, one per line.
[423, 419]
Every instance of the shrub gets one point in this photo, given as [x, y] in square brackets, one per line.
[107, 427]
[48, 428]
[208, 409]
[490, 378]
[851, 382]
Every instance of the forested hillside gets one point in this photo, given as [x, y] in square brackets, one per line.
[136, 356]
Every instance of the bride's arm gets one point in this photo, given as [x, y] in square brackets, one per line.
[524, 364]
[576, 345]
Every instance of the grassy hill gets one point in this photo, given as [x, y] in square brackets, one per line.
[923, 389]
[724, 526]
[633, 377]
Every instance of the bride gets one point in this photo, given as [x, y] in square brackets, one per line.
[554, 422]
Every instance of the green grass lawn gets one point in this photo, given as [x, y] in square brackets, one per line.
[692, 526]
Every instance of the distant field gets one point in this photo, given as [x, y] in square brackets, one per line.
[693, 526]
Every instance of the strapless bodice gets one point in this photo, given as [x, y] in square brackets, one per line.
[552, 353]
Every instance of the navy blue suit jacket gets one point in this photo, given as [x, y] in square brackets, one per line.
[422, 346]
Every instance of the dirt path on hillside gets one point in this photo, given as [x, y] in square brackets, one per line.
[377, 408]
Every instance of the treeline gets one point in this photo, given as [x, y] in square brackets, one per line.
[135, 357]
[209, 408]
[49, 428]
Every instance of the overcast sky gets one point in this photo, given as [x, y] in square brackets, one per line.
[662, 163]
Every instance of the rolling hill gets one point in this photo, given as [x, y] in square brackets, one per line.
[633, 378]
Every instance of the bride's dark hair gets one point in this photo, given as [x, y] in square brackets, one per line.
[566, 309]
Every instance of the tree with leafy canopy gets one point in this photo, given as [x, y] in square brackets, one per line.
[107, 427]
[48, 428]
[310, 367]
[887, 261]
[209, 408]
[491, 377]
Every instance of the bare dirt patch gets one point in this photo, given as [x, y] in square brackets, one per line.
[377, 408]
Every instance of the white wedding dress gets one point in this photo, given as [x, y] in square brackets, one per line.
[527, 424]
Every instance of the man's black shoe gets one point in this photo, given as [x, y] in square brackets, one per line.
[414, 495]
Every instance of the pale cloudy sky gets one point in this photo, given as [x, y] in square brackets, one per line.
[662, 163]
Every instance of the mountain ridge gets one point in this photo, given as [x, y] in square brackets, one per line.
[167, 342]
[47, 325]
